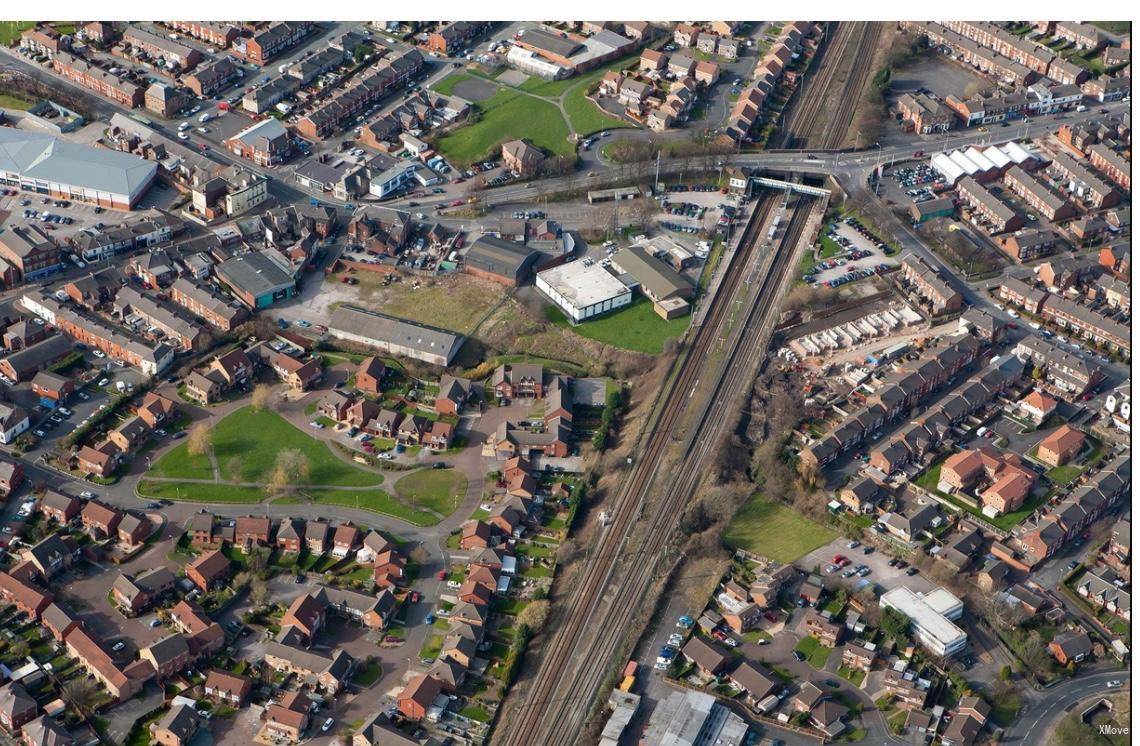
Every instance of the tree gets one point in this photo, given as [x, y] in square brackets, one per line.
[360, 53]
[198, 441]
[534, 615]
[20, 649]
[258, 593]
[291, 468]
[262, 397]
[258, 562]
[83, 694]
[895, 624]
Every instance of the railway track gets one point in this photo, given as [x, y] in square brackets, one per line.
[850, 49]
[593, 627]
[619, 576]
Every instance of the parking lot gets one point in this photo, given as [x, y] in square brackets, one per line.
[860, 254]
[882, 574]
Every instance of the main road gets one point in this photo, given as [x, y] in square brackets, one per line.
[1038, 718]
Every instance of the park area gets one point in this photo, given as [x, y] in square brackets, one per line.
[506, 115]
[544, 112]
[256, 455]
[771, 530]
[635, 328]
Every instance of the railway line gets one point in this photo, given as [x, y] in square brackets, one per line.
[851, 49]
[592, 627]
[618, 576]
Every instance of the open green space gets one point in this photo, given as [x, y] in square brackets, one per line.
[8, 101]
[585, 116]
[250, 440]
[447, 85]
[246, 444]
[816, 654]
[636, 327]
[199, 492]
[1114, 27]
[10, 31]
[775, 531]
[440, 490]
[508, 115]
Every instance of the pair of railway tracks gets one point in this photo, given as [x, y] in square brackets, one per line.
[593, 626]
[617, 576]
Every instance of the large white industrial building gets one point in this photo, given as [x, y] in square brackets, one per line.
[931, 617]
[582, 291]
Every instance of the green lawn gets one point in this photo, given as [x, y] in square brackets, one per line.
[816, 654]
[10, 31]
[177, 463]
[447, 85]
[1064, 474]
[254, 439]
[197, 492]
[438, 489]
[636, 327]
[585, 116]
[1114, 27]
[775, 531]
[8, 101]
[367, 674]
[431, 647]
[508, 115]
[827, 246]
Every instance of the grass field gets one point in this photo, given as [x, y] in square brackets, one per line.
[10, 31]
[254, 439]
[508, 115]
[585, 116]
[635, 328]
[376, 500]
[446, 303]
[438, 489]
[775, 531]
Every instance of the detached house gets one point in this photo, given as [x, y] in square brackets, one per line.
[99, 520]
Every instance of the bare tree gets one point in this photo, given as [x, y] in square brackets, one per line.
[534, 615]
[291, 468]
[262, 397]
[258, 593]
[199, 439]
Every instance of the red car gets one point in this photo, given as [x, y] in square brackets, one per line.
[415, 597]
[441, 575]
[837, 558]
[457, 203]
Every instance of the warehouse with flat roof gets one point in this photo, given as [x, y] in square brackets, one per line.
[582, 291]
[65, 170]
